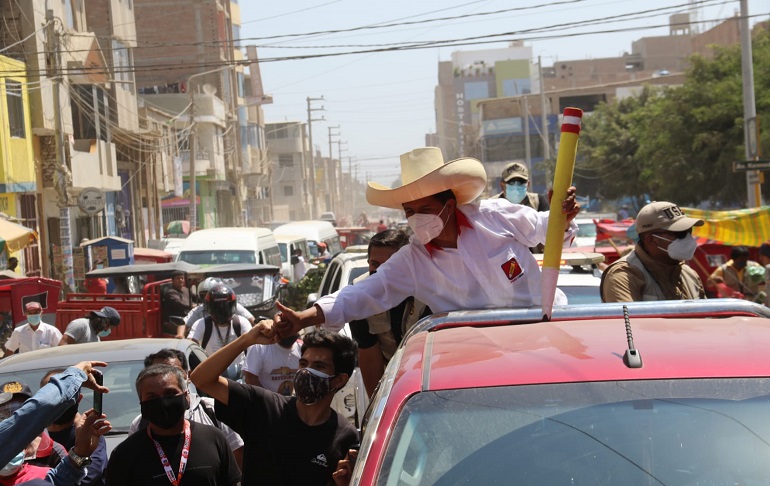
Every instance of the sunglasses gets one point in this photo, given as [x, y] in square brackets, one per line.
[679, 235]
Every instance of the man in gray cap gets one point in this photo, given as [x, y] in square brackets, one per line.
[655, 270]
[514, 184]
[91, 329]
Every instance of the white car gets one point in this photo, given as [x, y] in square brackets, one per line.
[352, 400]
[579, 277]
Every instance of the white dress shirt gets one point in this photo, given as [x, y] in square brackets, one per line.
[491, 267]
[24, 338]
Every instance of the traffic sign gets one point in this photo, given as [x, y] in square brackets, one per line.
[91, 200]
[748, 165]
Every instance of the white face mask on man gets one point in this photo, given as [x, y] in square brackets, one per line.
[681, 249]
[426, 227]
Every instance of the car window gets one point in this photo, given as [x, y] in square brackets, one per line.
[708, 431]
[273, 256]
[284, 252]
[336, 278]
[326, 285]
[218, 257]
[355, 273]
[121, 404]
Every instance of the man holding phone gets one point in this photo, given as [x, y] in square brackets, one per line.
[63, 430]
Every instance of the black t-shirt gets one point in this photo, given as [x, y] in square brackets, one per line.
[135, 460]
[279, 447]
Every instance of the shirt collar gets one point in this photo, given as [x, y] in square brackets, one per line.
[462, 220]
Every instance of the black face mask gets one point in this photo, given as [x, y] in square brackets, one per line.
[68, 415]
[288, 342]
[165, 412]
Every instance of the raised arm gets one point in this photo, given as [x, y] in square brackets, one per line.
[206, 375]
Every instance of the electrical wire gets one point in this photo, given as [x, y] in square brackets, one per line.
[26, 38]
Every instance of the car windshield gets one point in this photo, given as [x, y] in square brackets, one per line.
[219, 257]
[662, 432]
[252, 290]
[121, 404]
[587, 229]
[581, 294]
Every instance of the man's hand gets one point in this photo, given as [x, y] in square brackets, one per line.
[344, 472]
[87, 435]
[287, 322]
[569, 206]
[87, 367]
[263, 332]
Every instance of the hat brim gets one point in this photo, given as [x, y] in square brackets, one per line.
[516, 176]
[466, 178]
[683, 224]
[5, 397]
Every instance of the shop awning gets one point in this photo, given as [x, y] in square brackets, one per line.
[14, 237]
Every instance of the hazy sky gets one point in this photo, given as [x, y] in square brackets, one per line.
[383, 101]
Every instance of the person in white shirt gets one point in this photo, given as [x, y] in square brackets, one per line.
[35, 334]
[273, 366]
[221, 326]
[463, 255]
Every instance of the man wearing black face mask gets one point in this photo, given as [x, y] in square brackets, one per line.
[63, 430]
[288, 440]
[171, 448]
[655, 270]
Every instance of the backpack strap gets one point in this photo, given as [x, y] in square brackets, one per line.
[208, 326]
[210, 413]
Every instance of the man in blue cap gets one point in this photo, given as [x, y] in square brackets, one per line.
[91, 329]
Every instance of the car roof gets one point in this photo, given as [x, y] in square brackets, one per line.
[115, 351]
[501, 347]
[144, 269]
[237, 268]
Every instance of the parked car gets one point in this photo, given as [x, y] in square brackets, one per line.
[579, 277]
[125, 359]
[314, 232]
[219, 246]
[674, 393]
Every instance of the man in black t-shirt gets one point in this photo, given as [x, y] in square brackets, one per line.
[169, 438]
[288, 440]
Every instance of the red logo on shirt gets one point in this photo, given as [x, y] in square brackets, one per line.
[512, 269]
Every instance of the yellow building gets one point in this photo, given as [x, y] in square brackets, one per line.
[17, 161]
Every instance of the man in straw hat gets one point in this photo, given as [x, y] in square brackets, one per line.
[462, 255]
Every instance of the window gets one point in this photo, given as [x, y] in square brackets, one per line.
[236, 35]
[476, 90]
[288, 191]
[285, 160]
[13, 95]
[120, 65]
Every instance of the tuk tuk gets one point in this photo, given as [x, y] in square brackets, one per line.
[256, 286]
[137, 297]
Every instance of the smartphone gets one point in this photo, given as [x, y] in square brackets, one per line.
[99, 378]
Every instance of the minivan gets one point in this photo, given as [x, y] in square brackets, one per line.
[315, 232]
[218, 246]
[288, 244]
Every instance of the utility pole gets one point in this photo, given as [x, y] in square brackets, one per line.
[753, 186]
[191, 148]
[527, 150]
[331, 171]
[62, 171]
[310, 120]
[352, 186]
[543, 113]
[338, 175]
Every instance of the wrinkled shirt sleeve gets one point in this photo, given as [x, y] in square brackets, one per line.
[530, 226]
[39, 412]
[393, 282]
[66, 474]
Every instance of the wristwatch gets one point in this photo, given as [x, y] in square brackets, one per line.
[80, 462]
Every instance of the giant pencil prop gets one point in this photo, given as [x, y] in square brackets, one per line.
[557, 221]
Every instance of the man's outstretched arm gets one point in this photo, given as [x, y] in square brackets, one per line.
[206, 375]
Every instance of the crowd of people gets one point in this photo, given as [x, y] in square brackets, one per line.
[277, 426]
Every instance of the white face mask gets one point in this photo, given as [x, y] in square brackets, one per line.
[426, 227]
[680, 249]
[515, 192]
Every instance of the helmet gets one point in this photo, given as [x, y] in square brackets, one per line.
[220, 303]
[205, 286]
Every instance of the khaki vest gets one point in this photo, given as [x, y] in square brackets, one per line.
[652, 290]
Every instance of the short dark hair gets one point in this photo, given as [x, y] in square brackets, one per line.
[166, 354]
[445, 196]
[390, 238]
[48, 374]
[344, 349]
[161, 370]
[739, 252]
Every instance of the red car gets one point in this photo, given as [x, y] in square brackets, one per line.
[676, 393]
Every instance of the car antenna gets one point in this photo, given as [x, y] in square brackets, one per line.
[631, 358]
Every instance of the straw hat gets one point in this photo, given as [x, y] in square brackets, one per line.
[424, 173]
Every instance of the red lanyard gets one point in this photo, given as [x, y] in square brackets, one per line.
[182, 462]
